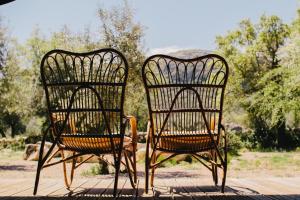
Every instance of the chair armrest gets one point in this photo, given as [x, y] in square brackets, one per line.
[133, 128]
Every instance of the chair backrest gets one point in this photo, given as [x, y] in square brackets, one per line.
[85, 91]
[185, 96]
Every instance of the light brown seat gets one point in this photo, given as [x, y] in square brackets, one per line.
[186, 143]
[96, 144]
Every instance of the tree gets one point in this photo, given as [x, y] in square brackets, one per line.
[35, 48]
[3, 55]
[120, 32]
[257, 81]
[15, 93]
[290, 57]
[3, 44]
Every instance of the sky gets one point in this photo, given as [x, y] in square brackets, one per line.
[170, 25]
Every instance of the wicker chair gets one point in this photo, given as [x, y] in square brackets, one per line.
[85, 98]
[185, 102]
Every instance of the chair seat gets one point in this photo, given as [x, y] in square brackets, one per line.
[186, 142]
[96, 144]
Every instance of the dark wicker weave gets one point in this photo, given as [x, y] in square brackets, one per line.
[185, 101]
[85, 98]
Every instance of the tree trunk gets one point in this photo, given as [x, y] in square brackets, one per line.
[12, 130]
[282, 140]
[2, 133]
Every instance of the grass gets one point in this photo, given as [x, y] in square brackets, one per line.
[92, 171]
[249, 163]
[11, 155]
[277, 163]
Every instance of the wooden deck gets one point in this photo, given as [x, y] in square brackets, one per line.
[165, 188]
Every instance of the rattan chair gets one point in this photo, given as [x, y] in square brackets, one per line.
[85, 98]
[185, 102]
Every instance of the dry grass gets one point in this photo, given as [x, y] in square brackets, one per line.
[284, 164]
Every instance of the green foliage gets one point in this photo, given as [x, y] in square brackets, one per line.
[15, 90]
[259, 79]
[119, 31]
[22, 100]
[14, 144]
[93, 171]
[3, 44]
[235, 143]
[97, 169]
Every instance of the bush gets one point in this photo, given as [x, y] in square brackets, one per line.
[15, 144]
[96, 169]
[234, 142]
[32, 139]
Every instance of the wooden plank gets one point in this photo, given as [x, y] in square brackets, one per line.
[208, 187]
[188, 185]
[45, 190]
[244, 192]
[83, 189]
[138, 191]
[68, 192]
[27, 185]
[127, 192]
[99, 189]
[11, 185]
[163, 189]
[122, 193]
[280, 190]
[141, 190]
[263, 190]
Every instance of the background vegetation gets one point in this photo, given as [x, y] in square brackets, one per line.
[262, 97]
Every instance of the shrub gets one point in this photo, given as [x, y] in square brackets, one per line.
[234, 142]
[15, 144]
[96, 169]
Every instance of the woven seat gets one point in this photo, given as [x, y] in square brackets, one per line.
[95, 144]
[186, 143]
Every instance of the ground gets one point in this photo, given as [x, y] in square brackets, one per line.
[248, 164]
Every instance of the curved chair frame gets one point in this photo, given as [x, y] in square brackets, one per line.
[165, 87]
[59, 129]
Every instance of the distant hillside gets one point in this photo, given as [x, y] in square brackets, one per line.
[189, 53]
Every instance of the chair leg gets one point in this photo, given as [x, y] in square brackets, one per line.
[129, 170]
[37, 177]
[134, 167]
[39, 167]
[215, 168]
[147, 163]
[224, 178]
[153, 169]
[68, 181]
[117, 167]
[224, 165]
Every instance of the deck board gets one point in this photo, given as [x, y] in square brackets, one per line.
[166, 188]
[68, 192]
